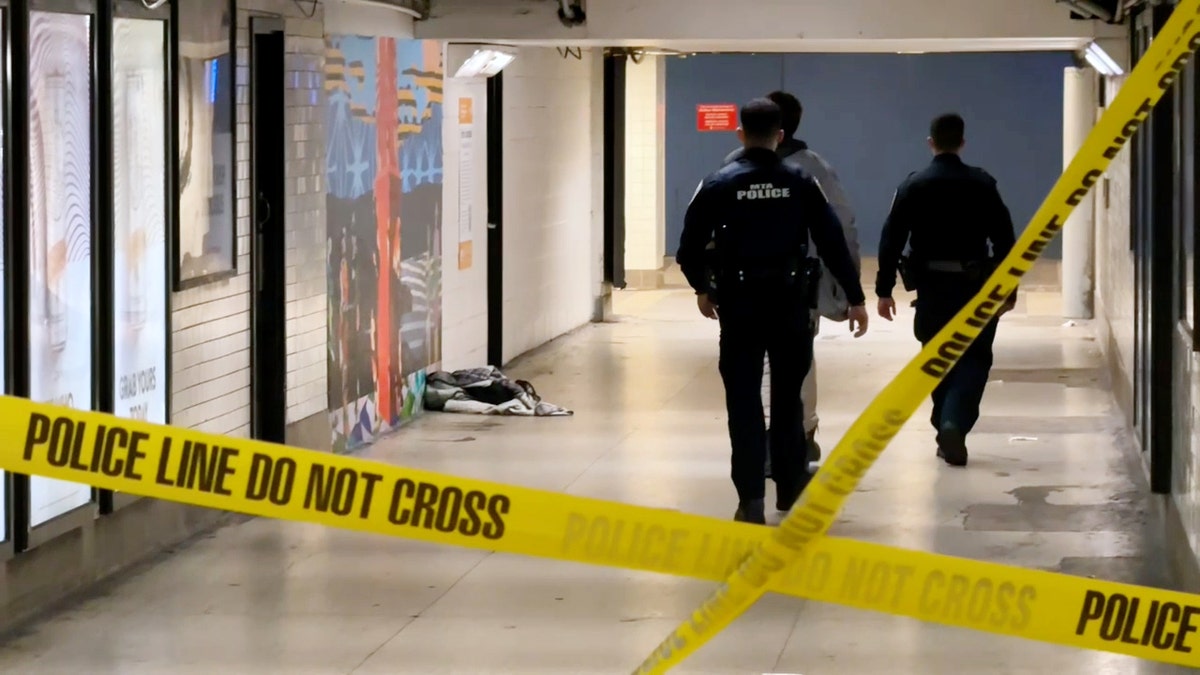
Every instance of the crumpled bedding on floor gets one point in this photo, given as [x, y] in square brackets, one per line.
[486, 391]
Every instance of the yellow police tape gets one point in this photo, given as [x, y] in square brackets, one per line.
[820, 503]
[276, 481]
[287, 483]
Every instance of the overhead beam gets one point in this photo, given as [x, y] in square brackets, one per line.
[649, 21]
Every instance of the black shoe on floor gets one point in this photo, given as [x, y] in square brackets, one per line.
[752, 512]
[952, 447]
[786, 498]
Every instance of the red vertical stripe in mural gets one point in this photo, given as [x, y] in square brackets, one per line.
[387, 160]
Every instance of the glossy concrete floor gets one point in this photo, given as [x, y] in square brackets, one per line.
[1049, 486]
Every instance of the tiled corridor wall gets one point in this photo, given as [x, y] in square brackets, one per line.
[553, 202]
[1114, 296]
[1115, 300]
[465, 214]
[552, 245]
[211, 323]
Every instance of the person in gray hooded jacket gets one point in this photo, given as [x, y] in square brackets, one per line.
[831, 299]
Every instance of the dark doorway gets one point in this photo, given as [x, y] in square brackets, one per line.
[268, 332]
[1152, 229]
[614, 168]
[495, 234]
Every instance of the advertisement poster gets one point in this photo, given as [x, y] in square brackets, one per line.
[60, 210]
[207, 224]
[466, 190]
[140, 207]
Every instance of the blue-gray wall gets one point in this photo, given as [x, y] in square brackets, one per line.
[868, 114]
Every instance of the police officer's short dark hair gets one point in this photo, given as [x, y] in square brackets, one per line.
[761, 119]
[791, 109]
[947, 132]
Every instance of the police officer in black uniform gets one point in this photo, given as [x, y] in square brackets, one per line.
[948, 213]
[744, 250]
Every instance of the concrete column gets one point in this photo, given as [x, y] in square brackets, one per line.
[1079, 115]
[645, 171]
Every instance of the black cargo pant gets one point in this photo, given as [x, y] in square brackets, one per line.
[957, 397]
[773, 322]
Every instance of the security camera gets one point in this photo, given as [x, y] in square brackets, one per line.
[570, 13]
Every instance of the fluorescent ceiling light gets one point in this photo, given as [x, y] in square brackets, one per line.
[1101, 61]
[1089, 9]
[485, 63]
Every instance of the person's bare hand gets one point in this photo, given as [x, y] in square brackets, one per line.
[708, 308]
[886, 308]
[858, 320]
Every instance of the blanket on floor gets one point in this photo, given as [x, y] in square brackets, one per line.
[486, 391]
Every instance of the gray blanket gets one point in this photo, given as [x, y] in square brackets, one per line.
[486, 391]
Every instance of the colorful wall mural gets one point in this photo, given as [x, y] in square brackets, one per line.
[384, 256]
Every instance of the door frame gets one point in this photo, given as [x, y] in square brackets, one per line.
[14, 45]
[1153, 237]
[264, 24]
[615, 65]
[495, 221]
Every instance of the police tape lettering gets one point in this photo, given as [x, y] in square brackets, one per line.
[813, 514]
[114, 451]
[301, 485]
[1166, 625]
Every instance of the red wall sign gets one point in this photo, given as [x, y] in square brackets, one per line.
[716, 117]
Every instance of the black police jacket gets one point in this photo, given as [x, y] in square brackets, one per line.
[762, 212]
[947, 212]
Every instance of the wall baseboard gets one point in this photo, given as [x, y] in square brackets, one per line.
[1185, 567]
[311, 432]
[644, 280]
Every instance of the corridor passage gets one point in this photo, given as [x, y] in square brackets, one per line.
[1051, 485]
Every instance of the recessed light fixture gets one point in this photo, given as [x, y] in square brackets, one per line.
[485, 63]
[1101, 61]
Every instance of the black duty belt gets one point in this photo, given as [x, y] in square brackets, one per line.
[775, 275]
[955, 266]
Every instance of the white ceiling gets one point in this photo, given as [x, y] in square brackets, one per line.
[827, 46]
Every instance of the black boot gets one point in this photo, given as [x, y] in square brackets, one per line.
[952, 446]
[751, 511]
